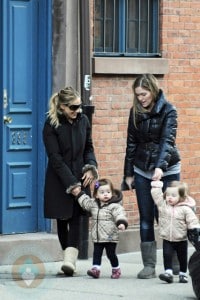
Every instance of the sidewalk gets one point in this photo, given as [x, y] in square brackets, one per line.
[39, 281]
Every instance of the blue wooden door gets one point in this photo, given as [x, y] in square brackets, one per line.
[24, 97]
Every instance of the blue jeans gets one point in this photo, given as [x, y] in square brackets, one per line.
[147, 209]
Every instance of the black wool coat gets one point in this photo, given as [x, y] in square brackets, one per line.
[194, 270]
[152, 142]
[69, 148]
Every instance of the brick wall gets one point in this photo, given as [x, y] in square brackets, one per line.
[112, 97]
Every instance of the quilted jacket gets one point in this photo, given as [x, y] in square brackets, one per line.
[105, 218]
[151, 143]
[174, 221]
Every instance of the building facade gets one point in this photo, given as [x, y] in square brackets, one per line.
[177, 69]
[99, 47]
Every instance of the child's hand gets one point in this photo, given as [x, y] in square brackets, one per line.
[121, 227]
[76, 191]
[156, 184]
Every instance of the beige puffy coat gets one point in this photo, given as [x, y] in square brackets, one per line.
[105, 218]
[174, 221]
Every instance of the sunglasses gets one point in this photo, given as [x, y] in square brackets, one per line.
[73, 107]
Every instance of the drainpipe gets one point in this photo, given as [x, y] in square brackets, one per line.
[85, 65]
[88, 109]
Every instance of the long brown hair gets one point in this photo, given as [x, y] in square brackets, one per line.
[149, 83]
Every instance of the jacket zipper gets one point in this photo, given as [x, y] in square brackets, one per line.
[171, 225]
[98, 225]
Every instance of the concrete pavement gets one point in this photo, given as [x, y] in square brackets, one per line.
[30, 278]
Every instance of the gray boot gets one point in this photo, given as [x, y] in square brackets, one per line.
[148, 250]
[69, 264]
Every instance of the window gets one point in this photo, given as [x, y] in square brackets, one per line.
[126, 28]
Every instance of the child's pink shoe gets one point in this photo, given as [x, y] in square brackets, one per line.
[94, 272]
[116, 273]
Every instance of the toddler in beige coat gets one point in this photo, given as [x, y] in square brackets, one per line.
[107, 218]
[176, 216]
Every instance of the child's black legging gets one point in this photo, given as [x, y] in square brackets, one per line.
[110, 253]
[181, 249]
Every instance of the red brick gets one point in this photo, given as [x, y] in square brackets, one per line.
[112, 97]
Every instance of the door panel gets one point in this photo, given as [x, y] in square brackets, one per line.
[21, 87]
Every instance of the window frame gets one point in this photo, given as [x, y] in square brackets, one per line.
[122, 33]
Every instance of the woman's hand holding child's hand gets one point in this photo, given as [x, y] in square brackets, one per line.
[157, 184]
[158, 174]
[76, 191]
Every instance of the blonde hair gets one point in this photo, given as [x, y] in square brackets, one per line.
[182, 189]
[64, 96]
[149, 83]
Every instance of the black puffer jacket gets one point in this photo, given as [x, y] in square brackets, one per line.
[152, 144]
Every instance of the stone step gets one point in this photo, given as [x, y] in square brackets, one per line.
[46, 246]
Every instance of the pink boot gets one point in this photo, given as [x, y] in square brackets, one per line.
[116, 273]
[94, 272]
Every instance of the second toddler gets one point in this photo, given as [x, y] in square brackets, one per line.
[176, 216]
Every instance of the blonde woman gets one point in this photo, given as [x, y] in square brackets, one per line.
[71, 161]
